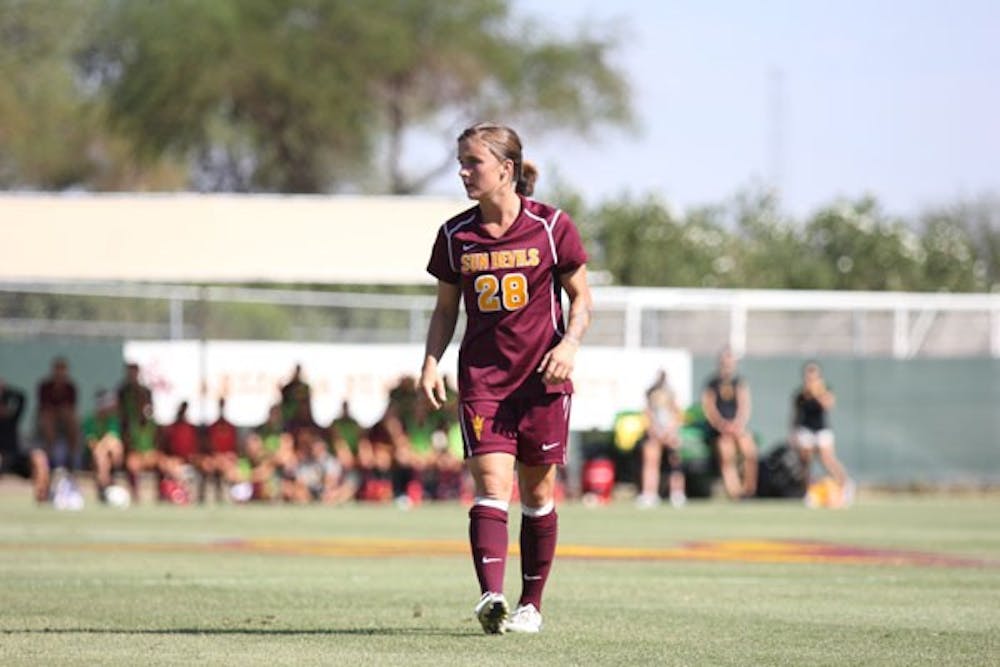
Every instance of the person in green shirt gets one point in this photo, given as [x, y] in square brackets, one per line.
[270, 453]
[351, 446]
[142, 453]
[102, 432]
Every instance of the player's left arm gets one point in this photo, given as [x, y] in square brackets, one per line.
[557, 364]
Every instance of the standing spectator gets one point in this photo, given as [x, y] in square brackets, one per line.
[57, 415]
[133, 400]
[12, 459]
[663, 418]
[103, 434]
[508, 258]
[296, 394]
[811, 430]
[726, 403]
[133, 397]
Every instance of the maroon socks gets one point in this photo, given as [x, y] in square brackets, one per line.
[538, 547]
[488, 538]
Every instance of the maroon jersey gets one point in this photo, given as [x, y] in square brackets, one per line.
[53, 395]
[222, 437]
[512, 294]
[181, 439]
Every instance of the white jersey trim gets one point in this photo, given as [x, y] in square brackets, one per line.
[448, 233]
[549, 225]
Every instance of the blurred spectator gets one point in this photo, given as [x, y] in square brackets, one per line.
[811, 432]
[416, 453]
[296, 394]
[12, 458]
[404, 397]
[133, 397]
[221, 458]
[141, 453]
[57, 416]
[317, 475]
[103, 435]
[181, 453]
[663, 418]
[386, 479]
[351, 446]
[269, 449]
[726, 403]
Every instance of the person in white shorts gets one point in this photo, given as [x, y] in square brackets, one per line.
[811, 432]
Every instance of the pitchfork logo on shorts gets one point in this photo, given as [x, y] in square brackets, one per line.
[477, 426]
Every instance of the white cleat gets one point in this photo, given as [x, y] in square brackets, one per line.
[492, 612]
[678, 499]
[525, 619]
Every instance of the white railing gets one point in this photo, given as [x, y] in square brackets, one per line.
[752, 322]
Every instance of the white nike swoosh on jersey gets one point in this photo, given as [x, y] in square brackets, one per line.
[549, 445]
[469, 246]
[487, 561]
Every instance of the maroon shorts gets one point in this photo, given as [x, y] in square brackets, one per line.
[534, 430]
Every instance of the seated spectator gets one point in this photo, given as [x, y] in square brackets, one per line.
[103, 435]
[386, 479]
[269, 449]
[180, 450]
[663, 419]
[220, 462]
[726, 403]
[141, 452]
[317, 475]
[351, 446]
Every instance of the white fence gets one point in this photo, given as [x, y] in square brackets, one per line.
[753, 322]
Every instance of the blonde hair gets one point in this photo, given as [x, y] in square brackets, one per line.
[504, 144]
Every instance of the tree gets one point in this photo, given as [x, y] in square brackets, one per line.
[45, 125]
[306, 95]
[962, 242]
[773, 253]
[861, 248]
[644, 243]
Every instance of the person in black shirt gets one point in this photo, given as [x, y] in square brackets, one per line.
[726, 403]
[811, 432]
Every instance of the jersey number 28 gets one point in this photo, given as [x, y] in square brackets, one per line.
[509, 292]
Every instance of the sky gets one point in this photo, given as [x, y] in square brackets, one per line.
[825, 99]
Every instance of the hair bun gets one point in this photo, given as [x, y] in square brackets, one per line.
[529, 174]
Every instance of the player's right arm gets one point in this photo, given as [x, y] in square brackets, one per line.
[439, 333]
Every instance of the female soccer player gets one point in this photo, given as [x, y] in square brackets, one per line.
[508, 259]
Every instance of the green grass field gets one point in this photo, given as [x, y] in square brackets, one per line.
[268, 585]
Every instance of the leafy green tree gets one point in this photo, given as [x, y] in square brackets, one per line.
[864, 249]
[773, 253]
[312, 95]
[45, 124]
[962, 242]
[644, 243]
